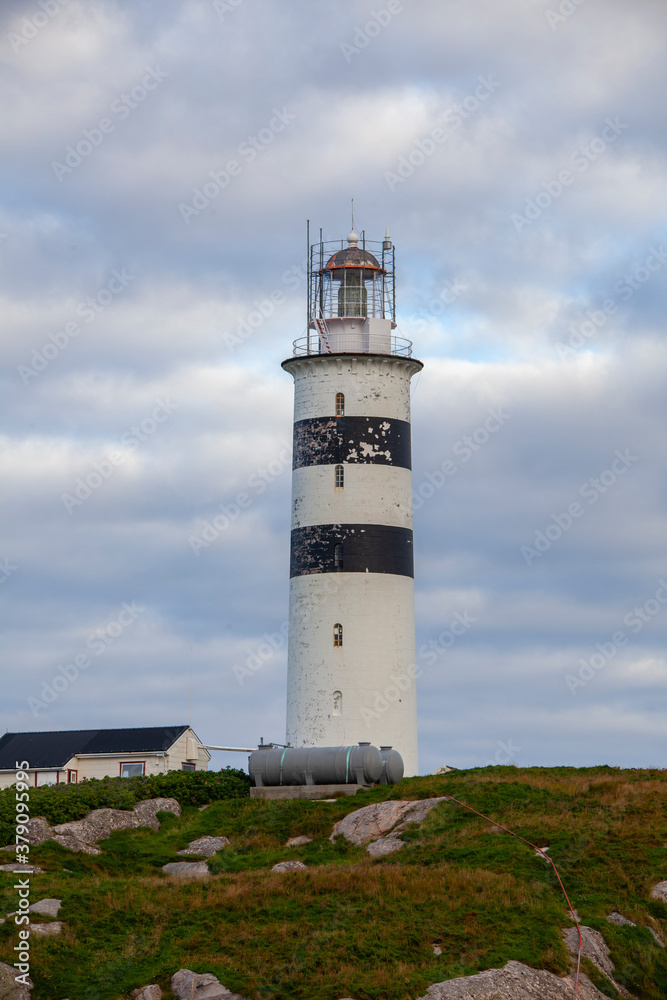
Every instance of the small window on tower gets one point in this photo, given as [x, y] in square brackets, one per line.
[339, 477]
[338, 635]
[340, 404]
[338, 555]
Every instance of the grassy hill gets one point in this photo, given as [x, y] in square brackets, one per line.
[356, 927]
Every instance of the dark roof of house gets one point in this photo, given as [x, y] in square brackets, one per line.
[55, 749]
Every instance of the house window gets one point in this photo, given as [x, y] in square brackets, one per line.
[339, 477]
[45, 778]
[338, 634]
[338, 555]
[72, 777]
[340, 404]
[132, 769]
[188, 767]
[337, 703]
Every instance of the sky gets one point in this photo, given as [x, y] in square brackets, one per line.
[160, 161]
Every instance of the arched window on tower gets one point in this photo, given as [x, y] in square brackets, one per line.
[338, 555]
[339, 477]
[340, 404]
[338, 635]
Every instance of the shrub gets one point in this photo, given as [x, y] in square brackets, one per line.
[64, 803]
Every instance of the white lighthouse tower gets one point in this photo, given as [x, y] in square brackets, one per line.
[351, 660]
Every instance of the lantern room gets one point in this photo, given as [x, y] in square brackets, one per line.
[351, 298]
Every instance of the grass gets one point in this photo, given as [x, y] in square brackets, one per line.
[351, 926]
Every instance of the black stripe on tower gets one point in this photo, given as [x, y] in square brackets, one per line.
[367, 440]
[351, 548]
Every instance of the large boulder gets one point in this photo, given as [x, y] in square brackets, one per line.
[514, 982]
[83, 834]
[187, 985]
[9, 988]
[376, 820]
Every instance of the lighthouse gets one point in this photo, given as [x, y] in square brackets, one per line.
[351, 651]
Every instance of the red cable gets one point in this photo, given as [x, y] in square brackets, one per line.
[539, 851]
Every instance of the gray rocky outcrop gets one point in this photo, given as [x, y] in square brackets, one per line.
[298, 841]
[594, 948]
[9, 988]
[513, 982]
[289, 866]
[659, 891]
[146, 811]
[206, 846]
[187, 985]
[39, 831]
[83, 834]
[46, 930]
[22, 869]
[186, 869]
[74, 844]
[46, 907]
[386, 845]
[152, 992]
[375, 821]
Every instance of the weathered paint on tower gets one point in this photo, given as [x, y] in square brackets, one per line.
[351, 660]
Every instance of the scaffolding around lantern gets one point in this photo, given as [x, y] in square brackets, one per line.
[354, 282]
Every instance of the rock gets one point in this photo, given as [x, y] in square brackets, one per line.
[97, 825]
[9, 988]
[618, 918]
[152, 992]
[298, 841]
[437, 950]
[513, 982]
[74, 844]
[379, 818]
[188, 985]
[46, 907]
[659, 891]
[387, 845]
[20, 869]
[39, 831]
[46, 930]
[187, 869]
[82, 834]
[146, 811]
[289, 866]
[206, 846]
[593, 947]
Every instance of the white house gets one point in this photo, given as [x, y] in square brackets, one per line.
[69, 756]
